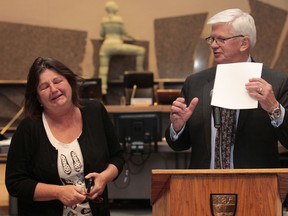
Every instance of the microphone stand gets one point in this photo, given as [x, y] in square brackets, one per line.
[217, 124]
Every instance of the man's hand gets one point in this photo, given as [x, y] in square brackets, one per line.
[262, 91]
[180, 112]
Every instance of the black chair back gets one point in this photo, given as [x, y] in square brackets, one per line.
[91, 89]
[143, 81]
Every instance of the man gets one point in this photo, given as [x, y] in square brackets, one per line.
[258, 131]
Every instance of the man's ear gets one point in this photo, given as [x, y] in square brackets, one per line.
[245, 43]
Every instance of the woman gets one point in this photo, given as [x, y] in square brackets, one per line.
[59, 146]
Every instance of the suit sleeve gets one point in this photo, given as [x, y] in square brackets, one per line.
[282, 97]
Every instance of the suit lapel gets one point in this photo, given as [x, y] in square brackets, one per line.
[207, 109]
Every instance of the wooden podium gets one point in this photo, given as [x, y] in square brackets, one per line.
[201, 192]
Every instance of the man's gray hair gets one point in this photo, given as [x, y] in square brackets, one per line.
[242, 23]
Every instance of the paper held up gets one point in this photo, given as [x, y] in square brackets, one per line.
[229, 87]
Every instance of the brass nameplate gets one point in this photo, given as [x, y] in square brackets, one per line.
[223, 204]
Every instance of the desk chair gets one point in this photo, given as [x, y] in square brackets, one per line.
[167, 96]
[144, 82]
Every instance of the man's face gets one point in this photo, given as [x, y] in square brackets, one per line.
[226, 46]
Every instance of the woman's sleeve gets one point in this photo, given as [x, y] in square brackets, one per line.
[18, 178]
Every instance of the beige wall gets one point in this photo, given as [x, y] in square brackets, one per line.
[138, 16]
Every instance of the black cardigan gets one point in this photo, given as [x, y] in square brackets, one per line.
[32, 159]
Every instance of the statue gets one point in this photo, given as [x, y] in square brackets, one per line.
[113, 32]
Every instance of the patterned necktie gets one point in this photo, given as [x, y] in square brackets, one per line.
[225, 138]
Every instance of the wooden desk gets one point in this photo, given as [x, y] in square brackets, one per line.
[156, 81]
[133, 109]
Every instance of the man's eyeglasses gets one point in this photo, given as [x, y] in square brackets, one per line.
[210, 39]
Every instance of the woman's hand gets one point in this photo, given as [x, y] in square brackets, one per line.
[71, 195]
[68, 194]
[100, 182]
[98, 186]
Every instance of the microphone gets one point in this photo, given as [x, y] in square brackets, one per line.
[216, 114]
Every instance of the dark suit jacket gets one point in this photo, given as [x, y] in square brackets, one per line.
[256, 144]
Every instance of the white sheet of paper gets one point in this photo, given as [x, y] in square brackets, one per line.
[229, 87]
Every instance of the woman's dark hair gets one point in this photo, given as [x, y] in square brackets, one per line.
[33, 107]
